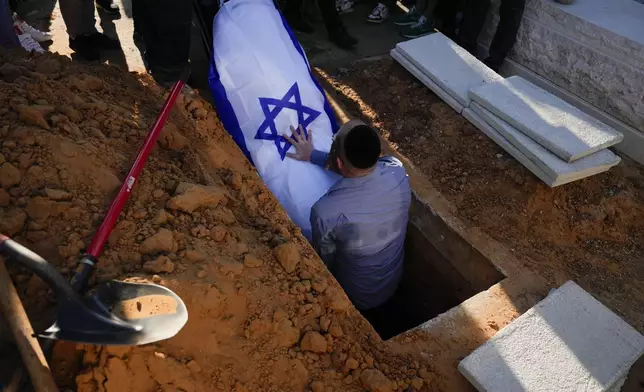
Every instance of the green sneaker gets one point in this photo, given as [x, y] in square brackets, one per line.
[420, 28]
[408, 18]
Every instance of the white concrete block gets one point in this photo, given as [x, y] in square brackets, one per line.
[555, 124]
[442, 94]
[567, 342]
[448, 65]
[487, 129]
[633, 142]
[551, 164]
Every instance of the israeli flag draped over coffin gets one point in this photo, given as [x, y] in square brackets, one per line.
[262, 84]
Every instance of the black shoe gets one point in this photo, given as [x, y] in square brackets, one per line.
[109, 7]
[85, 48]
[103, 42]
[342, 39]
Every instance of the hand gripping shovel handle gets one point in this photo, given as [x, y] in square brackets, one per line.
[89, 260]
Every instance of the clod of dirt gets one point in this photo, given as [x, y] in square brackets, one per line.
[158, 265]
[4, 198]
[417, 383]
[288, 255]
[162, 217]
[39, 208]
[374, 381]
[190, 197]
[162, 241]
[10, 72]
[252, 261]
[13, 221]
[319, 285]
[218, 233]
[351, 364]
[171, 139]
[194, 256]
[233, 267]
[335, 330]
[314, 341]
[317, 386]
[9, 175]
[35, 115]
[57, 194]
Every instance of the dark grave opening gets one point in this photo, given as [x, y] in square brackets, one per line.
[441, 270]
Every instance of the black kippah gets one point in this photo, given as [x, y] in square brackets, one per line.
[362, 147]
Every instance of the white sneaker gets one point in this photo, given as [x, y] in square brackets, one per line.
[29, 44]
[23, 28]
[344, 6]
[379, 14]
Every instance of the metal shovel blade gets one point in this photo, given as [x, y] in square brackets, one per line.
[121, 313]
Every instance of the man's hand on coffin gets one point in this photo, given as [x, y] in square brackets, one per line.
[302, 142]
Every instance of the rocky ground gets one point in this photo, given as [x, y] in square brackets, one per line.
[265, 315]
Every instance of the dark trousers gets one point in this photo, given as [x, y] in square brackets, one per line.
[510, 13]
[445, 12]
[165, 26]
[330, 17]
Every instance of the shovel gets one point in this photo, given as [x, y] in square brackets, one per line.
[117, 313]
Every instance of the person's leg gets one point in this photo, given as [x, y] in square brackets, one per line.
[337, 33]
[474, 16]
[167, 38]
[510, 13]
[445, 16]
[78, 16]
[8, 37]
[293, 14]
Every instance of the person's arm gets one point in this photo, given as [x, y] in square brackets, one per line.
[322, 239]
[304, 151]
[319, 158]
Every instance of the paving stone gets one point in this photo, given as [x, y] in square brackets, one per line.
[426, 80]
[489, 130]
[448, 65]
[567, 342]
[551, 164]
[553, 123]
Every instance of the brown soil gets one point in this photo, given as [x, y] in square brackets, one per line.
[264, 313]
[590, 231]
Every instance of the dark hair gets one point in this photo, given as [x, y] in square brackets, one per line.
[362, 147]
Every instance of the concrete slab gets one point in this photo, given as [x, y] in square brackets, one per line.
[487, 129]
[555, 124]
[633, 142]
[451, 67]
[554, 167]
[426, 80]
[567, 342]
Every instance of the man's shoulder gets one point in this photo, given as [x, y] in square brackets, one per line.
[391, 161]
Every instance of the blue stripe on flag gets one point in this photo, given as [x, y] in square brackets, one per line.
[225, 109]
[327, 107]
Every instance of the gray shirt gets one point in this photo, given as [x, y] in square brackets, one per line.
[359, 231]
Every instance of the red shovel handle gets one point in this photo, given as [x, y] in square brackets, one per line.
[101, 236]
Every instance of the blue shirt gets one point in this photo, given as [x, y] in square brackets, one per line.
[359, 230]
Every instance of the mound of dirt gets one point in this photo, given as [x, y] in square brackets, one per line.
[264, 313]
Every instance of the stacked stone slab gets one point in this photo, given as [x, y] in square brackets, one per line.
[553, 139]
[567, 342]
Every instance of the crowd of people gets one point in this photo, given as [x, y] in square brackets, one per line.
[461, 20]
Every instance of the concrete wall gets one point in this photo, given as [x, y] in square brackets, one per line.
[592, 49]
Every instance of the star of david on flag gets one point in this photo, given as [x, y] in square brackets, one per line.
[272, 108]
